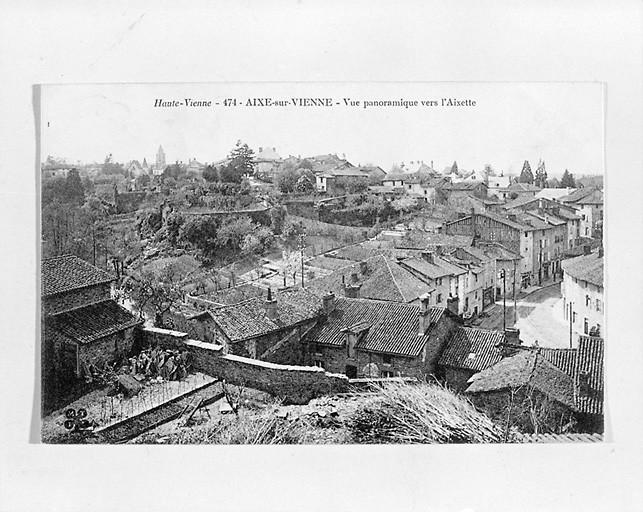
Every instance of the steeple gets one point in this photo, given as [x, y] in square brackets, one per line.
[160, 158]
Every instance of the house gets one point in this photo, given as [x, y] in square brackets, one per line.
[467, 352]
[443, 276]
[537, 396]
[554, 194]
[553, 210]
[375, 172]
[583, 293]
[194, 168]
[56, 170]
[81, 325]
[376, 277]
[331, 180]
[267, 161]
[135, 169]
[372, 338]
[416, 168]
[496, 183]
[463, 189]
[394, 180]
[539, 241]
[588, 203]
[269, 329]
[588, 384]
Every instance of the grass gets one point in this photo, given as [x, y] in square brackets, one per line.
[424, 413]
[396, 413]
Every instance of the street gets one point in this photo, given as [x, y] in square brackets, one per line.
[539, 318]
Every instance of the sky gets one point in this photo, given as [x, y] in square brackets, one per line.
[560, 123]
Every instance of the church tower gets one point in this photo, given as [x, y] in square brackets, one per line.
[160, 158]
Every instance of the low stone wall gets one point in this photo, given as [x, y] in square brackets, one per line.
[164, 338]
[293, 384]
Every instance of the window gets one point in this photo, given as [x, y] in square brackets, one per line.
[598, 304]
[318, 363]
[586, 326]
[438, 281]
[525, 234]
[387, 359]
[388, 375]
[588, 301]
[439, 298]
[574, 317]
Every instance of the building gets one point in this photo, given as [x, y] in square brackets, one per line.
[447, 279]
[525, 387]
[467, 352]
[555, 194]
[160, 164]
[56, 170]
[588, 203]
[464, 189]
[583, 294]
[376, 277]
[589, 383]
[375, 172]
[269, 329]
[539, 241]
[371, 338]
[81, 325]
[395, 180]
[267, 161]
[332, 180]
[195, 168]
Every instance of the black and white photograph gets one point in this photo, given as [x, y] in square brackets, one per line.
[322, 256]
[322, 263]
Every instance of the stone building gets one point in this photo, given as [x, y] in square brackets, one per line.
[583, 293]
[267, 161]
[81, 324]
[371, 338]
[588, 203]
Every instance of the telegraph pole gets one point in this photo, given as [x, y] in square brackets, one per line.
[503, 275]
[302, 246]
[514, 294]
[571, 314]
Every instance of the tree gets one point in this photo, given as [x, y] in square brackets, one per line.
[454, 168]
[144, 180]
[156, 290]
[242, 158]
[277, 218]
[526, 176]
[210, 174]
[110, 167]
[541, 174]
[567, 180]
[172, 171]
[286, 180]
[201, 233]
[404, 204]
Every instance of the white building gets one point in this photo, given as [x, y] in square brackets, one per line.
[583, 294]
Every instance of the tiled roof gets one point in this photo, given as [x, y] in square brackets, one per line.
[65, 273]
[562, 358]
[394, 327]
[587, 268]
[384, 279]
[234, 295]
[357, 253]
[596, 197]
[527, 367]
[346, 170]
[267, 153]
[588, 395]
[400, 176]
[577, 195]
[523, 187]
[422, 240]
[472, 349]
[93, 322]
[463, 185]
[439, 268]
[248, 319]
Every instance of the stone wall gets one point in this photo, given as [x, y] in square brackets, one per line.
[75, 298]
[293, 384]
[164, 338]
[456, 378]
[106, 350]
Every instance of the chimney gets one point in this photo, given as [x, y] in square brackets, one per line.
[540, 203]
[453, 304]
[587, 250]
[512, 217]
[429, 256]
[425, 314]
[328, 301]
[271, 306]
[438, 250]
[352, 289]
[363, 267]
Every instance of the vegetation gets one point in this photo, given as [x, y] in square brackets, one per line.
[541, 175]
[567, 180]
[526, 176]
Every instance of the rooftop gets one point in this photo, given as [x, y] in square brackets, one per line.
[472, 349]
[383, 279]
[439, 268]
[66, 273]
[526, 368]
[586, 268]
[393, 328]
[248, 319]
[93, 322]
[588, 380]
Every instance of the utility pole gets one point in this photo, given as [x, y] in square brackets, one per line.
[503, 275]
[302, 246]
[571, 314]
[514, 294]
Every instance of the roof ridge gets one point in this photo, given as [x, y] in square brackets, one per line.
[397, 285]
